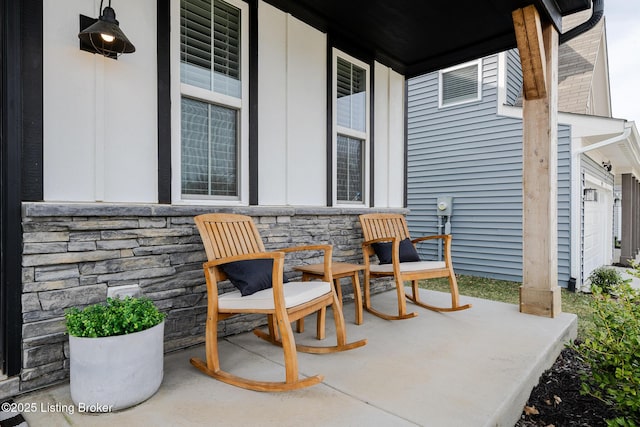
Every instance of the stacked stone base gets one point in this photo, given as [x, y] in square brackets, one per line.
[73, 254]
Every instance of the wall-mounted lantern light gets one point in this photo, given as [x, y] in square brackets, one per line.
[590, 195]
[103, 35]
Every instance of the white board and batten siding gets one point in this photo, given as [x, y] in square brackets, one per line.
[470, 153]
[292, 106]
[389, 140]
[100, 115]
[293, 119]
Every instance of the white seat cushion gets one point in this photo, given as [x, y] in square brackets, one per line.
[408, 266]
[295, 293]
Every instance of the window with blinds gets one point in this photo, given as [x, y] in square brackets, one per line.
[210, 45]
[351, 93]
[351, 127]
[460, 84]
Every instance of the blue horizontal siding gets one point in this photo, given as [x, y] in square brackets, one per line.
[472, 154]
[514, 76]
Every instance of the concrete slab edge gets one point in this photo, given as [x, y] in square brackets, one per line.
[511, 409]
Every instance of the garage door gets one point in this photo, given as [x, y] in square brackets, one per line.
[597, 231]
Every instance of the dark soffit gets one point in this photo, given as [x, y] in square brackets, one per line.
[414, 37]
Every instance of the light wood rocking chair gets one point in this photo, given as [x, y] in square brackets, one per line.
[229, 238]
[392, 229]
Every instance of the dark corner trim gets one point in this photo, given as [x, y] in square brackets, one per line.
[406, 143]
[254, 161]
[164, 101]
[21, 115]
[32, 101]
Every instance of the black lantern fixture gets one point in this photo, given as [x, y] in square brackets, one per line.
[103, 35]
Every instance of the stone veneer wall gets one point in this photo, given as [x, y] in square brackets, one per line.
[72, 253]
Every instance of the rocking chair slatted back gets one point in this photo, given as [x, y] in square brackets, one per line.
[376, 226]
[228, 235]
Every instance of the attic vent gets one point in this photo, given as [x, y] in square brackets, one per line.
[460, 84]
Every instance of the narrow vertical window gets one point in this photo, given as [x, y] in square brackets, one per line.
[351, 124]
[211, 106]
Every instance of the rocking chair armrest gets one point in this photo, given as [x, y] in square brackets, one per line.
[367, 246]
[379, 240]
[277, 255]
[325, 248]
[214, 274]
[445, 237]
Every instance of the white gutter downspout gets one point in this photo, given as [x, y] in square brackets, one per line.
[624, 135]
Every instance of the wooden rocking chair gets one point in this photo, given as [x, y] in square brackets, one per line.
[387, 236]
[235, 251]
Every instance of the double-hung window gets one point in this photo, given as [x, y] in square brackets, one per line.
[213, 98]
[460, 84]
[351, 130]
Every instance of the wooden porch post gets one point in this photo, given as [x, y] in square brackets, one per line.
[538, 46]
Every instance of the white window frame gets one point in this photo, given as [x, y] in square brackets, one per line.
[178, 90]
[350, 132]
[441, 103]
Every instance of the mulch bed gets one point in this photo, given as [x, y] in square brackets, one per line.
[556, 400]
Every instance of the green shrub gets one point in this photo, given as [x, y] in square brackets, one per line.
[635, 268]
[612, 352]
[607, 279]
[116, 317]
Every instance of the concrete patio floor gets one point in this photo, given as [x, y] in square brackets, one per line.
[471, 368]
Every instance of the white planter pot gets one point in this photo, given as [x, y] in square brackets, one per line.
[112, 373]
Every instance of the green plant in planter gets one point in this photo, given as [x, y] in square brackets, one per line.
[116, 317]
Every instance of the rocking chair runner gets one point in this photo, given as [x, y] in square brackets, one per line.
[229, 238]
[391, 229]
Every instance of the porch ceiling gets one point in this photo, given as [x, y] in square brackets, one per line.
[417, 37]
